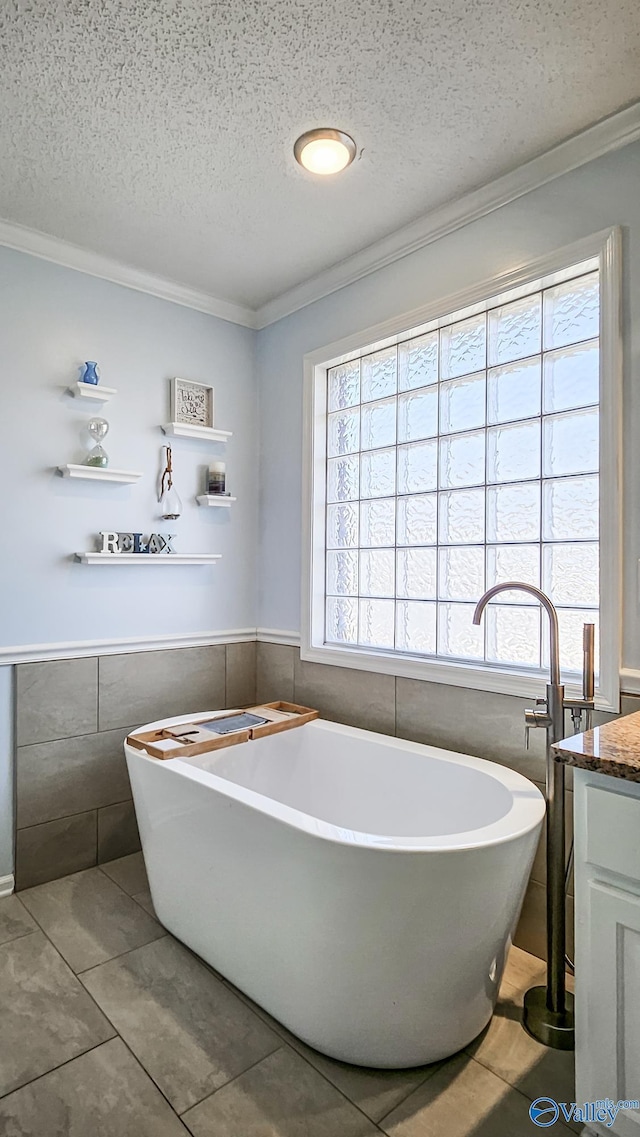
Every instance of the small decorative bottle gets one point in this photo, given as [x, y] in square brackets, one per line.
[90, 373]
[98, 429]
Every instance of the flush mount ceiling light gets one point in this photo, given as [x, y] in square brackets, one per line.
[325, 151]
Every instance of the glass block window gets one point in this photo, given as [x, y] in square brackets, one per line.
[461, 457]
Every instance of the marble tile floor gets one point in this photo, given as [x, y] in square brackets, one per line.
[111, 1028]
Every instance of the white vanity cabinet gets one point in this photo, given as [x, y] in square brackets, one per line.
[607, 944]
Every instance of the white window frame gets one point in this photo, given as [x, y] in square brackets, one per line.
[605, 250]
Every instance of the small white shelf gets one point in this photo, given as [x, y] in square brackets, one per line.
[148, 558]
[214, 499]
[99, 474]
[184, 430]
[94, 392]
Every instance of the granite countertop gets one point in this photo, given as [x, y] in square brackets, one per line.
[612, 749]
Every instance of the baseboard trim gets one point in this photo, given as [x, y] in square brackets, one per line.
[38, 653]
[7, 885]
[629, 681]
[274, 636]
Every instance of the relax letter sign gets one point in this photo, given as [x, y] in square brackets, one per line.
[136, 543]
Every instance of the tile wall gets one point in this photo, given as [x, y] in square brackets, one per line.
[74, 805]
[73, 798]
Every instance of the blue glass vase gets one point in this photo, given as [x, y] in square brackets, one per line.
[90, 373]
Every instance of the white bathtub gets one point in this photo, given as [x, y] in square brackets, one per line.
[362, 889]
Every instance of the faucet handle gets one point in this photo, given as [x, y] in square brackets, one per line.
[534, 717]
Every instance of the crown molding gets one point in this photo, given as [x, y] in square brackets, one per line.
[613, 133]
[60, 252]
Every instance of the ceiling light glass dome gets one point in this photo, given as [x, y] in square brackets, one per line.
[325, 151]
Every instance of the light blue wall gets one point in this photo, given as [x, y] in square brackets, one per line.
[51, 319]
[602, 194]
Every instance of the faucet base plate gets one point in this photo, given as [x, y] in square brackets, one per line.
[546, 1026]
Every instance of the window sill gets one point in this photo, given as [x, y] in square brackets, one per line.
[498, 680]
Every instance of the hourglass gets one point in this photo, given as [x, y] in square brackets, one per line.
[98, 429]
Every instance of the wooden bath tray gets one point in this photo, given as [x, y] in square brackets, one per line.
[186, 740]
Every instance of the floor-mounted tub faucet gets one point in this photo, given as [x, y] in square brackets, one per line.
[548, 1011]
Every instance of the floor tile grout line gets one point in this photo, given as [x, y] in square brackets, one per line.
[355, 1104]
[504, 1080]
[471, 1058]
[229, 1081]
[104, 872]
[78, 872]
[141, 905]
[77, 974]
[291, 1046]
[437, 1066]
[116, 1033]
[280, 1042]
[324, 1077]
[113, 1026]
[151, 1078]
[112, 958]
[22, 936]
[140, 1061]
[61, 1065]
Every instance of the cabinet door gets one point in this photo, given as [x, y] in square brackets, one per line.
[608, 1058]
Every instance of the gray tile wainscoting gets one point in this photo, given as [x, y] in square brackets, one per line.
[144, 686]
[73, 798]
[357, 698]
[241, 674]
[274, 677]
[482, 723]
[57, 699]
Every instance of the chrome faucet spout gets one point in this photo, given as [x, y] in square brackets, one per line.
[548, 1011]
[520, 586]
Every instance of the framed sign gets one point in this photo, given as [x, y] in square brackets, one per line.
[191, 403]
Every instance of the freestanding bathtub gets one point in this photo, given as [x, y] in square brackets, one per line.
[362, 889]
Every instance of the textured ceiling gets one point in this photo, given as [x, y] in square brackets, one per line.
[159, 132]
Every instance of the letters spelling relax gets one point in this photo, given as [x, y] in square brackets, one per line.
[136, 543]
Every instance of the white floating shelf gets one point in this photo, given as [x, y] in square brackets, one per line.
[95, 392]
[214, 499]
[148, 558]
[99, 474]
[184, 430]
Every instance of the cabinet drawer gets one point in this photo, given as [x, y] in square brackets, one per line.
[613, 831]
